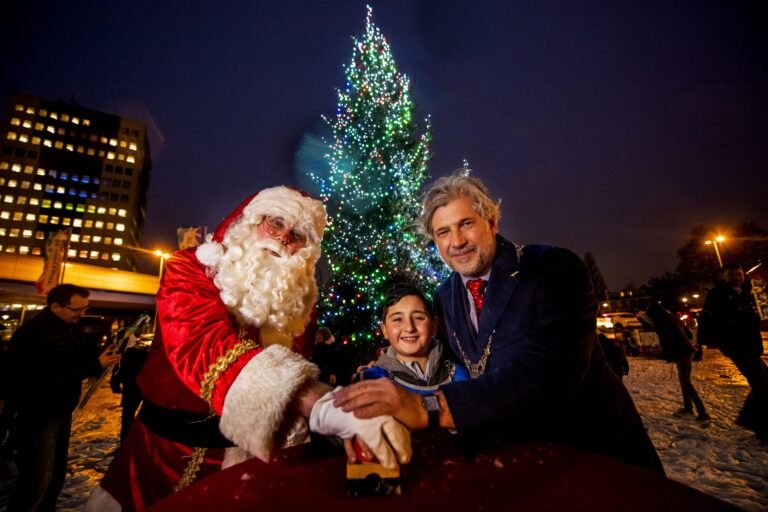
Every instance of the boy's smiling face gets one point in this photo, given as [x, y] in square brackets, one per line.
[408, 327]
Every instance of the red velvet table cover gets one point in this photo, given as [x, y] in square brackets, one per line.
[524, 476]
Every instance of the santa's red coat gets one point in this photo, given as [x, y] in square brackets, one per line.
[203, 362]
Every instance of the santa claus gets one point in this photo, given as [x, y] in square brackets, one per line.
[227, 377]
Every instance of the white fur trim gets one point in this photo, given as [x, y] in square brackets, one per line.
[101, 501]
[255, 405]
[209, 253]
[234, 455]
[307, 213]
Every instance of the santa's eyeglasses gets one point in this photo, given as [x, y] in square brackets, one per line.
[277, 227]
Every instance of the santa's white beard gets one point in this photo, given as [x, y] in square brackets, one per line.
[274, 293]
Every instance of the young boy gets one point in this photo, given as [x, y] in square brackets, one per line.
[414, 358]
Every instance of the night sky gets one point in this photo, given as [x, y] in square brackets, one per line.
[602, 127]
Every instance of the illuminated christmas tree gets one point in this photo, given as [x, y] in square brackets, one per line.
[377, 163]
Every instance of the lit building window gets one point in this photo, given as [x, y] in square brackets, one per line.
[115, 256]
[18, 215]
[91, 208]
[46, 203]
[49, 189]
[99, 224]
[23, 137]
[112, 211]
[27, 123]
[18, 107]
[12, 183]
[60, 190]
[101, 153]
[102, 210]
[8, 199]
[37, 186]
[16, 167]
[122, 142]
[83, 254]
[121, 212]
[86, 122]
[76, 120]
[36, 141]
[61, 131]
[131, 159]
[39, 126]
[69, 206]
[5, 215]
[89, 223]
[75, 237]
[113, 142]
[58, 144]
[86, 239]
[110, 225]
[71, 253]
[132, 146]
[24, 249]
[40, 171]
[54, 115]
[86, 179]
[91, 151]
[14, 233]
[80, 149]
[110, 155]
[30, 110]
[103, 140]
[54, 220]
[21, 200]
[96, 239]
[118, 241]
[11, 249]
[12, 136]
[65, 117]
[107, 239]
[42, 112]
[50, 128]
[30, 217]
[15, 121]
[34, 201]
[80, 208]
[36, 251]
[66, 221]
[43, 219]
[47, 143]
[105, 256]
[2, 232]
[94, 255]
[70, 147]
[28, 169]
[27, 233]
[78, 223]
[4, 166]
[120, 227]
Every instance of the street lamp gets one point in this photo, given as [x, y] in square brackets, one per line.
[163, 256]
[718, 239]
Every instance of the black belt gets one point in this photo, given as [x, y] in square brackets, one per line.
[184, 427]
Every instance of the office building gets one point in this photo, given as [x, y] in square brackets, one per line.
[63, 166]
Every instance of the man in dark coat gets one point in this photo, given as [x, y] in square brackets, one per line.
[49, 360]
[730, 321]
[526, 332]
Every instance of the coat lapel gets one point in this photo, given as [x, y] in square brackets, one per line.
[501, 287]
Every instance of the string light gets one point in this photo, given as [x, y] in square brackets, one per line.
[377, 160]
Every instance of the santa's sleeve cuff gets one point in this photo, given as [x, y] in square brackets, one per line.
[256, 402]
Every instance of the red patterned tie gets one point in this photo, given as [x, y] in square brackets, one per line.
[477, 288]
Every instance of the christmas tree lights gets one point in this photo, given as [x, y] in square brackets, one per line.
[377, 159]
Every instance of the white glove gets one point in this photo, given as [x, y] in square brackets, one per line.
[389, 439]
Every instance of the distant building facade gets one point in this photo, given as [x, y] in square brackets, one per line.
[65, 166]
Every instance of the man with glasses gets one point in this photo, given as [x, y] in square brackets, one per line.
[49, 360]
[228, 375]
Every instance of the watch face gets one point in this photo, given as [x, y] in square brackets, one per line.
[431, 403]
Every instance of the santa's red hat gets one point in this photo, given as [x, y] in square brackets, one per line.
[306, 214]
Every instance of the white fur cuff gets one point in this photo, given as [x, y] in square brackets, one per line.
[255, 405]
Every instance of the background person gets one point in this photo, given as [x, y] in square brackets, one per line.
[48, 361]
[522, 319]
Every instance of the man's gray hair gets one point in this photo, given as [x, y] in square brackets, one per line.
[446, 189]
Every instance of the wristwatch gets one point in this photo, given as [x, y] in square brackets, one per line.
[432, 405]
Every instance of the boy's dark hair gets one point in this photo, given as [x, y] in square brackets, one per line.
[63, 293]
[400, 290]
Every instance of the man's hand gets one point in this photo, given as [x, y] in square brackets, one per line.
[387, 438]
[371, 398]
[107, 358]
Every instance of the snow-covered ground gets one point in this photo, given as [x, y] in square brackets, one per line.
[720, 459]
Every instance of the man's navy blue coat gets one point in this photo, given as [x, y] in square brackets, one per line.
[547, 378]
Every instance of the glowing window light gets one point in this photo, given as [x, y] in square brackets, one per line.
[118, 241]
[120, 227]
[115, 256]
[12, 136]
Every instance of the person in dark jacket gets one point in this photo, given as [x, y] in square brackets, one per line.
[48, 361]
[676, 347]
[613, 348]
[730, 322]
[522, 320]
